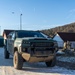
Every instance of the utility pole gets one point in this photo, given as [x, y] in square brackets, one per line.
[20, 21]
[0, 30]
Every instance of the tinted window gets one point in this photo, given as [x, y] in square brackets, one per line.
[13, 36]
[29, 34]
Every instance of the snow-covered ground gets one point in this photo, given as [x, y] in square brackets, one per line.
[6, 68]
[67, 59]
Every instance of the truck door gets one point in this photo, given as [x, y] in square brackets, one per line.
[11, 44]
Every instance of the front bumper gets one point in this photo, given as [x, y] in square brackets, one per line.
[30, 58]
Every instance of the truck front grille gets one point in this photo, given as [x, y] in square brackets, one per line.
[42, 48]
[42, 44]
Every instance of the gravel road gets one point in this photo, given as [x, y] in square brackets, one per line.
[6, 68]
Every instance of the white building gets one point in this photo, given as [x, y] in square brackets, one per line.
[62, 37]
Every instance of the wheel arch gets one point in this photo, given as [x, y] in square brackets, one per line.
[15, 49]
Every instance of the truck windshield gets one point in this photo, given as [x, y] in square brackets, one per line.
[22, 34]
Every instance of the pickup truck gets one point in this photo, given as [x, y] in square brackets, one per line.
[30, 46]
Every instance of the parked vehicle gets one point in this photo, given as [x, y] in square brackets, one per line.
[30, 46]
[1, 41]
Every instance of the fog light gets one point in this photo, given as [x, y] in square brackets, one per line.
[23, 49]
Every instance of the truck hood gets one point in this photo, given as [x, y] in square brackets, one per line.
[37, 39]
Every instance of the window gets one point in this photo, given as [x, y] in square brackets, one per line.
[13, 36]
[22, 34]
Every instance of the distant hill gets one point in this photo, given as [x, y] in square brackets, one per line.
[65, 28]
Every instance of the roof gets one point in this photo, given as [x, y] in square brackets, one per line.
[67, 36]
[7, 32]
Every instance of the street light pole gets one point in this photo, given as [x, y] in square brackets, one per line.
[0, 30]
[20, 21]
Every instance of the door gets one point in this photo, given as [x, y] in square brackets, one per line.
[11, 43]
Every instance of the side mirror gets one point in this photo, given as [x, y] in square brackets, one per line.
[9, 36]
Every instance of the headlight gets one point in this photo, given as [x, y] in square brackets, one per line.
[26, 42]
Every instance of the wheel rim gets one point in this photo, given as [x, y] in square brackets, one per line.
[15, 60]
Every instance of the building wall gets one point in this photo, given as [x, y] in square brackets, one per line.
[5, 36]
[72, 44]
[59, 40]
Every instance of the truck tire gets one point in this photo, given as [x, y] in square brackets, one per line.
[17, 61]
[6, 53]
[51, 63]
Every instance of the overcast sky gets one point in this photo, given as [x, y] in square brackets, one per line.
[36, 14]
